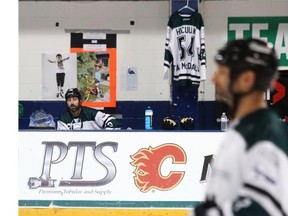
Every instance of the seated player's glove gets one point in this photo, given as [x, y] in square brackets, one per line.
[186, 123]
[208, 208]
[168, 123]
[113, 124]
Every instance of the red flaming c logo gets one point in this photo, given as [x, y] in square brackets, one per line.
[148, 164]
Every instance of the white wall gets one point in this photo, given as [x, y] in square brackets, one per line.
[142, 48]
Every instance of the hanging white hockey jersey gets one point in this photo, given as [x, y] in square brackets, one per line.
[185, 49]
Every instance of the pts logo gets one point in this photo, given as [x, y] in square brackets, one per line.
[148, 163]
[45, 179]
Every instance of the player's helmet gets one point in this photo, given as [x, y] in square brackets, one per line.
[59, 55]
[250, 54]
[73, 92]
[99, 64]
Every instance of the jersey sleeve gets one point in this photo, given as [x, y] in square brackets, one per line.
[265, 182]
[106, 121]
[62, 126]
[226, 178]
[202, 53]
[168, 58]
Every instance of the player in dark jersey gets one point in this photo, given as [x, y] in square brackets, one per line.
[79, 117]
[250, 172]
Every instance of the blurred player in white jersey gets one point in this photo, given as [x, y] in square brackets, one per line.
[250, 172]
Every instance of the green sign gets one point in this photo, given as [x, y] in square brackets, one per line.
[270, 29]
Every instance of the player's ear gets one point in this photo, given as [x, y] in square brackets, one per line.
[250, 78]
[246, 80]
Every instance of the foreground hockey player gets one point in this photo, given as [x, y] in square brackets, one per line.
[250, 172]
[79, 117]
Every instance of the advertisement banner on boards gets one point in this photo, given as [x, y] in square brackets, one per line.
[117, 166]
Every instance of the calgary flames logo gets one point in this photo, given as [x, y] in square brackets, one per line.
[148, 163]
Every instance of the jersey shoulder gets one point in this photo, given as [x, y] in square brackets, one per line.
[88, 113]
[66, 117]
[177, 19]
[264, 125]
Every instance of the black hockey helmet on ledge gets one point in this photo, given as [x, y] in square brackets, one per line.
[169, 123]
[187, 123]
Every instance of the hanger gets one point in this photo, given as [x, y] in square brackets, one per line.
[186, 7]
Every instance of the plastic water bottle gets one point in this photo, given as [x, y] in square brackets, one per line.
[148, 118]
[224, 122]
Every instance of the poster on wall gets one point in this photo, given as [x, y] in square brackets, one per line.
[96, 67]
[132, 77]
[58, 74]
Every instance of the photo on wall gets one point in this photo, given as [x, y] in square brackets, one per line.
[96, 67]
[93, 76]
[59, 72]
